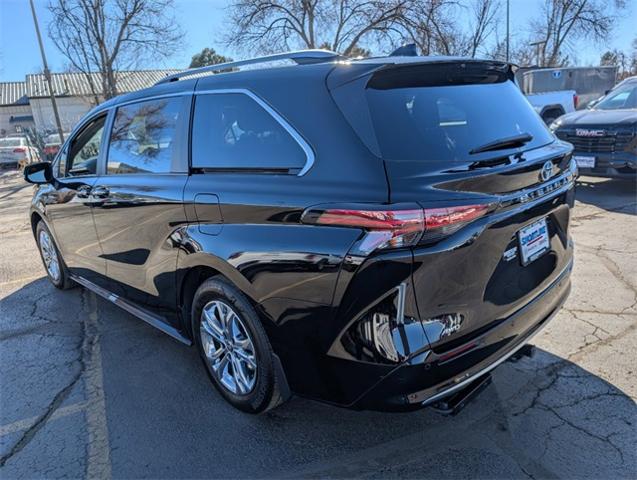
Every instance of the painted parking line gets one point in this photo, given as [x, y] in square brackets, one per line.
[26, 423]
[98, 462]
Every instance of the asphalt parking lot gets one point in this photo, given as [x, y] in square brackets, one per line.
[88, 390]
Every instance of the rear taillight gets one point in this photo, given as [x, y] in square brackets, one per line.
[387, 228]
[19, 150]
[575, 101]
[397, 228]
[441, 222]
[445, 217]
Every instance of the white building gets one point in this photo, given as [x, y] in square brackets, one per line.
[27, 105]
[15, 111]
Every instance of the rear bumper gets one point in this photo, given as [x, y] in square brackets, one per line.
[614, 165]
[431, 375]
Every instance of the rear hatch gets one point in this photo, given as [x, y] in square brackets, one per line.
[455, 134]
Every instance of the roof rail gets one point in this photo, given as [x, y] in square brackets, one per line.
[301, 57]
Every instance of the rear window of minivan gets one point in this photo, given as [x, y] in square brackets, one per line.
[440, 112]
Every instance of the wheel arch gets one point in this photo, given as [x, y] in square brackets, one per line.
[192, 278]
[554, 108]
[35, 219]
[194, 271]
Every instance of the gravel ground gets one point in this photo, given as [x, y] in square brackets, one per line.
[87, 390]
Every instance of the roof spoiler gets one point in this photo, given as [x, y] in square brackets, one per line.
[300, 57]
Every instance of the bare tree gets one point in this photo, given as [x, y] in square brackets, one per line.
[482, 26]
[435, 27]
[523, 54]
[342, 25]
[564, 21]
[625, 62]
[633, 57]
[430, 25]
[104, 36]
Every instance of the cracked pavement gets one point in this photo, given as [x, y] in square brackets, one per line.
[87, 390]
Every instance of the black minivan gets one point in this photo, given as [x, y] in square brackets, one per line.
[377, 234]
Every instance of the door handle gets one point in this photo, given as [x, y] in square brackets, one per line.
[83, 191]
[100, 192]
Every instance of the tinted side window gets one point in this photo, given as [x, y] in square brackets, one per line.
[85, 149]
[142, 139]
[233, 131]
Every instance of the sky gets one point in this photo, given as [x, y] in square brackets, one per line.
[203, 22]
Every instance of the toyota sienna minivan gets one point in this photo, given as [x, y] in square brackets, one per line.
[376, 234]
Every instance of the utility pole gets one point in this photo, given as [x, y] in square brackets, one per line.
[47, 74]
[508, 1]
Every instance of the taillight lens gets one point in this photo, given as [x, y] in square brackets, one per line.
[388, 228]
[441, 222]
[19, 150]
[398, 228]
[575, 101]
[444, 217]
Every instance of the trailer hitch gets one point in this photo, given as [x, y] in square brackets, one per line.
[527, 350]
[452, 404]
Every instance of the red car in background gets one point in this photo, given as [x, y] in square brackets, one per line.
[52, 144]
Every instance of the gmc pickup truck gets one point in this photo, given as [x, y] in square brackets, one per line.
[552, 105]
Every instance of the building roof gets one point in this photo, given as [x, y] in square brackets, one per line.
[77, 84]
[13, 93]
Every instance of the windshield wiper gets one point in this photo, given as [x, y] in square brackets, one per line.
[502, 143]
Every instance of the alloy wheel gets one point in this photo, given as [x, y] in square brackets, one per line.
[228, 348]
[49, 255]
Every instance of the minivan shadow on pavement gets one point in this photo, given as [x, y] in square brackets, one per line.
[88, 390]
[617, 195]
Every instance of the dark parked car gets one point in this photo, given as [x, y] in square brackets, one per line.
[377, 234]
[604, 136]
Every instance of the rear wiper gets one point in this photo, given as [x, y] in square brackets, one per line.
[502, 143]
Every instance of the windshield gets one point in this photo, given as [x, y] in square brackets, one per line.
[623, 97]
[447, 122]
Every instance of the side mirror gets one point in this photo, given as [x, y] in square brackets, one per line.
[38, 173]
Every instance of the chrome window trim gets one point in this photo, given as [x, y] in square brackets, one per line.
[309, 153]
[152, 97]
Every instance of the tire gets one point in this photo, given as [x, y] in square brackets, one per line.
[225, 352]
[52, 259]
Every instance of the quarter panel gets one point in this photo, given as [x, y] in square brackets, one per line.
[271, 261]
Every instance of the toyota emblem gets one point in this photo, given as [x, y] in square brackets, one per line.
[547, 171]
